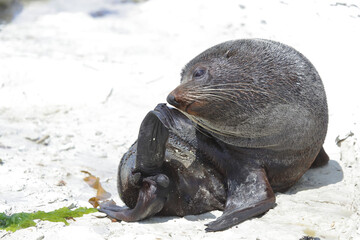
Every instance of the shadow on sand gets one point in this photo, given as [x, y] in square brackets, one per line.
[162, 219]
[329, 174]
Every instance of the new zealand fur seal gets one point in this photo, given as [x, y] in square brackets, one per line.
[166, 171]
[259, 112]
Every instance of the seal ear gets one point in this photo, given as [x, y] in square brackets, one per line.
[249, 195]
[229, 53]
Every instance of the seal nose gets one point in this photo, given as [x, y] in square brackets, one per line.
[172, 100]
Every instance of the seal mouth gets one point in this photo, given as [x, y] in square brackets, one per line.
[188, 106]
[174, 101]
[193, 108]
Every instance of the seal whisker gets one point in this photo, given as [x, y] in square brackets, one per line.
[231, 96]
[233, 91]
[216, 97]
[204, 126]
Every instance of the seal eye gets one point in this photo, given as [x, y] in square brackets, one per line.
[198, 73]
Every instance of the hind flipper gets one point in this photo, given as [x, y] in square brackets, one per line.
[151, 145]
[152, 197]
[153, 135]
[321, 159]
[249, 195]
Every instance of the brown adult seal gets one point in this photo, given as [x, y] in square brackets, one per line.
[266, 104]
[260, 114]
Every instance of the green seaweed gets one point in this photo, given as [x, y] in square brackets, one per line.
[18, 221]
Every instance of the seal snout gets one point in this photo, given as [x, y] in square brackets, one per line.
[172, 100]
[179, 99]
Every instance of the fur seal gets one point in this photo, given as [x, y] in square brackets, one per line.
[260, 113]
[166, 171]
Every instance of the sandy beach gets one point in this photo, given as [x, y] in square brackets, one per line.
[77, 78]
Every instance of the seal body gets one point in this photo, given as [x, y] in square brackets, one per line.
[259, 112]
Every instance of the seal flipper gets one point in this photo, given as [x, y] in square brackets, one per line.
[152, 197]
[153, 135]
[249, 195]
[321, 159]
[150, 151]
[144, 161]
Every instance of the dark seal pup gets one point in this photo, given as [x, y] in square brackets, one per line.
[261, 109]
[166, 171]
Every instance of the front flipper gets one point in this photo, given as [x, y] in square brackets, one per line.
[249, 194]
[152, 197]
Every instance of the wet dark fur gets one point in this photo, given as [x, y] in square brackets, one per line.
[195, 185]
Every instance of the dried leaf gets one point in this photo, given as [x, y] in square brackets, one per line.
[94, 182]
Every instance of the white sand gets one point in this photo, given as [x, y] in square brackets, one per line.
[58, 65]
